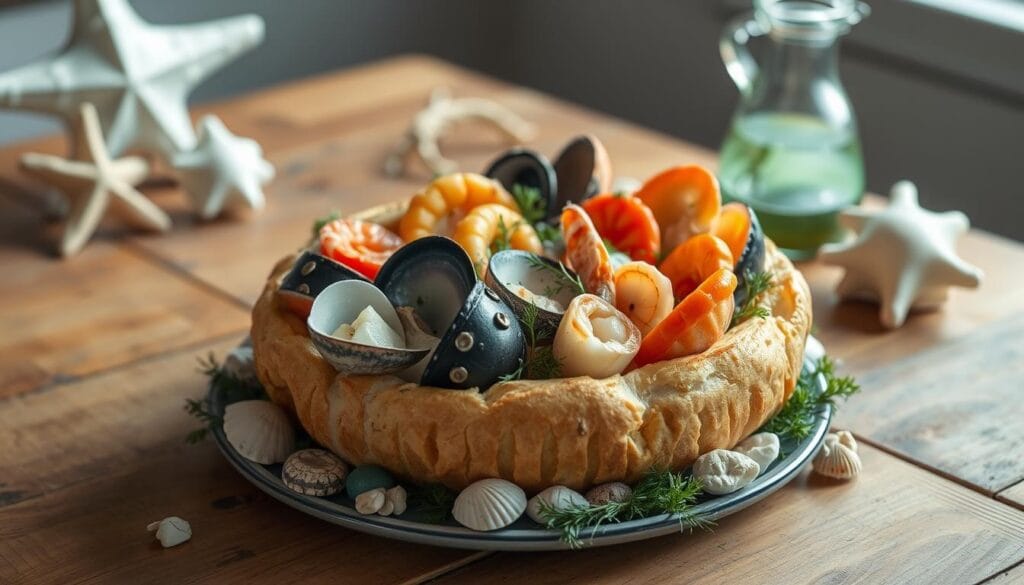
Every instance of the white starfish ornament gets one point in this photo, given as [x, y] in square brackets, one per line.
[94, 183]
[136, 74]
[221, 168]
[903, 256]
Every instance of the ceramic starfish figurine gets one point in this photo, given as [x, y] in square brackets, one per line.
[443, 112]
[95, 182]
[903, 256]
[222, 167]
[137, 75]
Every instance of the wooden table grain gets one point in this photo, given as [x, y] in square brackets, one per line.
[98, 354]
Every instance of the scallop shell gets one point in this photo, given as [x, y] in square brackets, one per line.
[836, 459]
[259, 430]
[557, 497]
[724, 472]
[489, 504]
[846, 438]
[314, 472]
[615, 491]
[761, 447]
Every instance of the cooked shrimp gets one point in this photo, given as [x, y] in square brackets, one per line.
[696, 323]
[643, 294]
[486, 223]
[447, 200]
[585, 253]
[594, 339]
[685, 201]
[627, 223]
[693, 261]
[360, 245]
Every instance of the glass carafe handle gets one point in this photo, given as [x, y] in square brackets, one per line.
[737, 58]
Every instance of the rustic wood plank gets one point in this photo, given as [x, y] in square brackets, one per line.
[104, 307]
[1012, 576]
[88, 465]
[955, 407]
[1013, 495]
[895, 524]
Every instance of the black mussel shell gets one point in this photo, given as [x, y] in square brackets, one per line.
[510, 269]
[751, 261]
[582, 169]
[520, 166]
[309, 276]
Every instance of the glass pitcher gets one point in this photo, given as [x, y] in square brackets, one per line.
[792, 152]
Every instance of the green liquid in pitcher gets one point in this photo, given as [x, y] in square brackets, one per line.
[796, 172]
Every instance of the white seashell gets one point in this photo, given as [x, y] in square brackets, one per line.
[171, 531]
[371, 502]
[239, 365]
[397, 497]
[259, 430]
[314, 472]
[370, 328]
[387, 508]
[489, 504]
[846, 438]
[836, 459]
[761, 447]
[557, 497]
[609, 492]
[724, 472]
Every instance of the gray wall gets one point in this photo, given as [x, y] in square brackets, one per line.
[954, 123]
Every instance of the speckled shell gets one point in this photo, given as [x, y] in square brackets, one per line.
[489, 504]
[836, 459]
[342, 302]
[314, 472]
[558, 497]
[609, 492]
[309, 276]
[761, 447]
[512, 267]
[259, 430]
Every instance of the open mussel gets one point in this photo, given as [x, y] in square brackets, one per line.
[520, 166]
[309, 276]
[524, 280]
[357, 330]
[583, 170]
[480, 338]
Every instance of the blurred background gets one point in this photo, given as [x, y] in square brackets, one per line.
[938, 85]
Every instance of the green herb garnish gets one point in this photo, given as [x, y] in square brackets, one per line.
[532, 206]
[501, 242]
[796, 419]
[540, 363]
[566, 278]
[659, 492]
[757, 284]
[549, 235]
[231, 390]
[319, 223]
[433, 501]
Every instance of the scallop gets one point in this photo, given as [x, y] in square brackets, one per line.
[314, 472]
[259, 430]
[343, 303]
[583, 170]
[310, 275]
[556, 497]
[523, 279]
[480, 337]
[837, 458]
[489, 504]
[520, 166]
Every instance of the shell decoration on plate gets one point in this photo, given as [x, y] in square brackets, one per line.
[365, 478]
[838, 457]
[259, 430]
[724, 472]
[171, 531]
[314, 472]
[556, 497]
[489, 504]
[615, 491]
[761, 447]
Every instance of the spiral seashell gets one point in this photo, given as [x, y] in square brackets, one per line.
[836, 459]
[489, 504]
[557, 497]
[259, 430]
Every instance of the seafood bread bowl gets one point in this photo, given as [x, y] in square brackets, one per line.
[454, 421]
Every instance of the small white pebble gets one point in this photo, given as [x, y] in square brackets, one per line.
[370, 502]
[171, 531]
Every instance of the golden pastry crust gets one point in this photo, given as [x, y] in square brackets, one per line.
[575, 432]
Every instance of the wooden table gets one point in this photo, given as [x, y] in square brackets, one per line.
[98, 354]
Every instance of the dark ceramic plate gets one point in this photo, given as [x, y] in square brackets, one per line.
[524, 534]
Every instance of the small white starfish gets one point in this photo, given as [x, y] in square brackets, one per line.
[95, 182]
[903, 256]
[222, 166]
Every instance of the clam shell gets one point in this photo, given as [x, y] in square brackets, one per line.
[557, 497]
[615, 491]
[259, 430]
[520, 166]
[583, 170]
[761, 447]
[309, 276]
[314, 472]
[511, 268]
[836, 459]
[489, 504]
[342, 302]
[724, 472]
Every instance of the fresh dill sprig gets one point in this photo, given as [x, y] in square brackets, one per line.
[541, 362]
[796, 419]
[502, 241]
[433, 501]
[531, 205]
[757, 284]
[319, 223]
[515, 374]
[544, 364]
[659, 492]
[548, 234]
[566, 278]
[231, 390]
